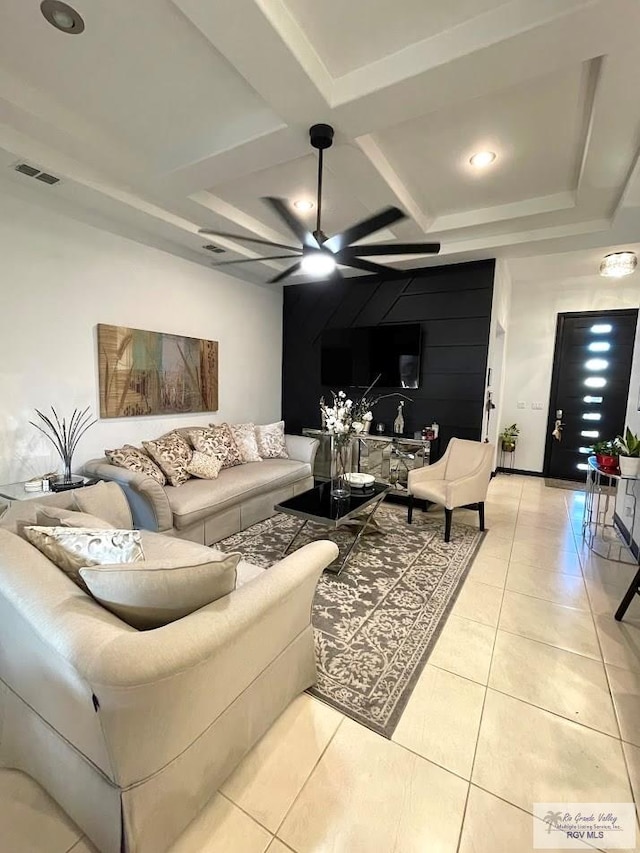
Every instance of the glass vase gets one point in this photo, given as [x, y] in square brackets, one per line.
[340, 465]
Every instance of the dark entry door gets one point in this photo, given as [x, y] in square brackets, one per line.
[589, 387]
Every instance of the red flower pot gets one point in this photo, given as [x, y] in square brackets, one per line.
[610, 463]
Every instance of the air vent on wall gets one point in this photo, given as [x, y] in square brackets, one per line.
[211, 248]
[34, 172]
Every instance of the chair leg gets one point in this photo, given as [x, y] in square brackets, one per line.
[481, 514]
[448, 515]
[410, 510]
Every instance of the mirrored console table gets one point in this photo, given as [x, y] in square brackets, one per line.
[388, 457]
[602, 530]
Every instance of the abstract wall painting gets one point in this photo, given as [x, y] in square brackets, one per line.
[154, 373]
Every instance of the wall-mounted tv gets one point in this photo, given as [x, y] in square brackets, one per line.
[354, 357]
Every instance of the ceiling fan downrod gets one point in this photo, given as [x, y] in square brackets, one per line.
[321, 136]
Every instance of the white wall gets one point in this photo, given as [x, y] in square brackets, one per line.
[500, 309]
[535, 305]
[59, 278]
[626, 490]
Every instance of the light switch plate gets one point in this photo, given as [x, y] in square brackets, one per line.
[521, 404]
[537, 406]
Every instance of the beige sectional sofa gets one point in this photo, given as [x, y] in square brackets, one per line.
[206, 511]
[131, 732]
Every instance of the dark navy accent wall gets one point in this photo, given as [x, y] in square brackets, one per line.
[452, 305]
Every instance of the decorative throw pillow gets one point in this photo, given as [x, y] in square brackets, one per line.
[55, 516]
[216, 441]
[271, 443]
[106, 501]
[152, 593]
[244, 436]
[134, 459]
[72, 548]
[173, 454]
[204, 466]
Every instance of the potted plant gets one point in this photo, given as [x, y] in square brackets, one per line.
[606, 455]
[629, 449]
[509, 438]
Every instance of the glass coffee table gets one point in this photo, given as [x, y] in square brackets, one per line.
[356, 511]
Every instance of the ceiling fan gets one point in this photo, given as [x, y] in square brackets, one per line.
[320, 255]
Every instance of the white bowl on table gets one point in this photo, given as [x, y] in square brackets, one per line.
[359, 481]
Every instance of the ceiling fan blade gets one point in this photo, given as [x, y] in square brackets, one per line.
[253, 260]
[285, 273]
[389, 249]
[363, 228]
[213, 233]
[378, 269]
[294, 224]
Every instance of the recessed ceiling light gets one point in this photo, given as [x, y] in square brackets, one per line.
[62, 16]
[318, 263]
[482, 159]
[301, 204]
[618, 264]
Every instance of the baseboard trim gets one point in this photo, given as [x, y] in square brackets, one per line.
[521, 471]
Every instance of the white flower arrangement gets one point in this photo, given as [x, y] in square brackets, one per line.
[346, 418]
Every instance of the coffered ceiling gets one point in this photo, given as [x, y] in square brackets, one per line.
[164, 116]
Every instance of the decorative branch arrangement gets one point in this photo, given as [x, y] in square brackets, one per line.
[346, 417]
[65, 436]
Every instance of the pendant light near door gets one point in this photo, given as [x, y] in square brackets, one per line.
[618, 264]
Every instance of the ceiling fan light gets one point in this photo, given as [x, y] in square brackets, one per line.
[303, 205]
[320, 264]
[482, 159]
[618, 264]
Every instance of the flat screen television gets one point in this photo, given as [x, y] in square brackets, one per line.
[354, 357]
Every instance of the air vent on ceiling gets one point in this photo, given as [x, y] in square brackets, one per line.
[27, 170]
[34, 172]
[47, 179]
[211, 248]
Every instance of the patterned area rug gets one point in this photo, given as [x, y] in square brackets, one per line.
[375, 624]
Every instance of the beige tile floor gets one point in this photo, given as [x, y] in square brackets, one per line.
[531, 694]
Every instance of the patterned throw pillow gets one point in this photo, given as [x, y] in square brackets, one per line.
[71, 548]
[173, 454]
[204, 466]
[271, 443]
[134, 459]
[244, 436]
[216, 441]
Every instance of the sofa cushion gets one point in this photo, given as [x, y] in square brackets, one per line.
[216, 441]
[134, 459]
[72, 548]
[53, 516]
[152, 593]
[106, 501]
[204, 466]
[173, 454]
[159, 546]
[244, 436]
[18, 515]
[271, 441]
[197, 499]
